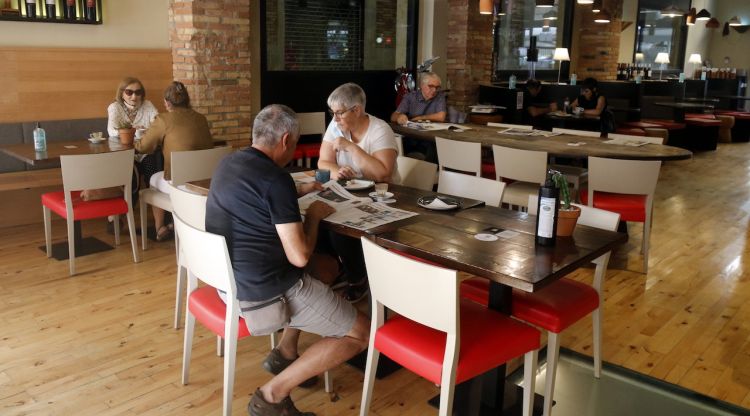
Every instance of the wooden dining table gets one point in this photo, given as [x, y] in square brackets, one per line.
[50, 159]
[564, 145]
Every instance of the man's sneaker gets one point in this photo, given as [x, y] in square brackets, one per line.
[340, 282]
[355, 293]
[258, 406]
[276, 363]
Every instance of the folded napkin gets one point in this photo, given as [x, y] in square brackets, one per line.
[438, 203]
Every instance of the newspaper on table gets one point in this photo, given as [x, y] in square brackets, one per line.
[351, 210]
[513, 131]
[627, 142]
[302, 177]
[430, 126]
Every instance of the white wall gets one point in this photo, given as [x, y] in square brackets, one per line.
[699, 38]
[735, 45]
[433, 38]
[139, 24]
[627, 36]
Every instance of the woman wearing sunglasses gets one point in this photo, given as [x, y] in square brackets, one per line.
[130, 107]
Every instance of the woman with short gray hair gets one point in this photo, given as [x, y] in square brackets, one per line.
[356, 144]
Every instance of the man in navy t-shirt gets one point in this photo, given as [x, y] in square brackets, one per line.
[253, 204]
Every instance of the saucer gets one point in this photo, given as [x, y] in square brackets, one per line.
[358, 184]
[374, 195]
[97, 141]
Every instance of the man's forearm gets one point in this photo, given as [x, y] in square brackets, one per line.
[439, 116]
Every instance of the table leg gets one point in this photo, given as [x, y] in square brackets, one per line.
[679, 115]
[83, 246]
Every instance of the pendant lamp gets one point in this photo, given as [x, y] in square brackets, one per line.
[545, 3]
[485, 6]
[672, 11]
[602, 17]
[596, 7]
[703, 15]
[690, 20]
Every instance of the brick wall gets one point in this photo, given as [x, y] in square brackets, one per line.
[469, 52]
[211, 56]
[596, 45]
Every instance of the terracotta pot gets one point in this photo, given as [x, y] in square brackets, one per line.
[566, 221]
[126, 135]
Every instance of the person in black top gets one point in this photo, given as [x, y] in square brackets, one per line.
[253, 204]
[538, 101]
[590, 100]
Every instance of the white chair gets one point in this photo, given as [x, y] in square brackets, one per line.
[461, 156]
[191, 207]
[481, 189]
[399, 144]
[511, 126]
[191, 165]
[527, 167]
[555, 303]
[311, 123]
[626, 187]
[647, 139]
[433, 329]
[584, 133]
[416, 173]
[91, 171]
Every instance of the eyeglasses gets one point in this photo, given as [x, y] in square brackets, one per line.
[341, 113]
[433, 87]
[138, 92]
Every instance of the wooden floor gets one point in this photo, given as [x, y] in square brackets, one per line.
[102, 343]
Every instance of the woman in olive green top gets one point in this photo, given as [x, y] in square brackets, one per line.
[181, 128]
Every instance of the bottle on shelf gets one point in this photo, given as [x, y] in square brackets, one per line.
[573, 79]
[40, 139]
[566, 105]
[50, 9]
[31, 9]
[512, 82]
[68, 9]
[89, 10]
[546, 219]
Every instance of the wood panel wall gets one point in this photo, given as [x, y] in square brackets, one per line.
[72, 83]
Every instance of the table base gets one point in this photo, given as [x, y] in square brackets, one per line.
[386, 366]
[88, 245]
[465, 398]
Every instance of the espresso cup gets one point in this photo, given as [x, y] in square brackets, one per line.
[381, 190]
[322, 175]
[96, 135]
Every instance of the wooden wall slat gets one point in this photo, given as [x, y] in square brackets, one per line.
[70, 83]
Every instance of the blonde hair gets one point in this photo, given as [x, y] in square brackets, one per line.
[124, 84]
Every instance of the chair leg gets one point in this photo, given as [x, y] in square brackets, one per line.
[529, 381]
[230, 353]
[597, 318]
[369, 382]
[181, 275]
[219, 346]
[187, 346]
[47, 229]
[274, 339]
[553, 353]
[71, 246]
[328, 379]
[133, 238]
[116, 226]
[144, 222]
[644, 243]
[447, 391]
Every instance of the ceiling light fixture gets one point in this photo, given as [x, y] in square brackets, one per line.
[734, 21]
[703, 15]
[550, 15]
[545, 3]
[690, 20]
[596, 7]
[485, 6]
[672, 11]
[585, 1]
[602, 17]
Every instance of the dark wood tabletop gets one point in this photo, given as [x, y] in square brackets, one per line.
[515, 261]
[25, 152]
[555, 146]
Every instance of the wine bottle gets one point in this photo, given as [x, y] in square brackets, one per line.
[68, 9]
[546, 219]
[40, 139]
[50, 9]
[31, 9]
[89, 11]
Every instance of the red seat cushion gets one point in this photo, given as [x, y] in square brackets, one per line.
[310, 150]
[84, 210]
[666, 124]
[702, 122]
[407, 255]
[298, 154]
[557, 306]
[630, 207]
[739, 115]
[488, 170]
[702, 116]
[208, 308]
[641, 125]
[633, 131]
[488, 339]
[553, 308]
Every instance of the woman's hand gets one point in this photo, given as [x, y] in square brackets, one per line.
[341, 144]
[344, 172]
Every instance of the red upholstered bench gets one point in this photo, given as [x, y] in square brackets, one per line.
[633, 131]
[665, 124]
[741, 129]
[703, 133]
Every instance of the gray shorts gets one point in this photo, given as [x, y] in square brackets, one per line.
[316, 309]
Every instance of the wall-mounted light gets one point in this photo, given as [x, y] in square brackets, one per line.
[690, 20]
[585, 1]
[734, 21]
[703, 15]
[485, 6]
[602, 17]
[596, 6]
[545, 3]
[713, 23]
[672, 11]
[561, 54]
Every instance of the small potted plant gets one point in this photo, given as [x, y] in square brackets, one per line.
[567, 215]
[126, 132]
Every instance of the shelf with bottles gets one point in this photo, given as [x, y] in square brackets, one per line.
[84, 12]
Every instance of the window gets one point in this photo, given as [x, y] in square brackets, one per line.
[658, 33]
[341, 35]
[522, 20]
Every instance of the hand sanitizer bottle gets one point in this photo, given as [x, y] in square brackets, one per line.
[512, 82]
[546, 219]
[40, 139]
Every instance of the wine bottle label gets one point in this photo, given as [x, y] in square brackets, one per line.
[31, 2]
[50, 2]
[546, 217]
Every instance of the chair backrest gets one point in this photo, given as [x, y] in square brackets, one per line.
[190, 206]
[312, 123]
[654, 140]
[511, 126]
[394, 279]
[416, 173]
[463, 156]
[193, 165]
[584, 133]
[636, 177]
[206, 256]
[399, 144]
[520, 165]
[482, 189]
[98, 170]
[590, 216]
